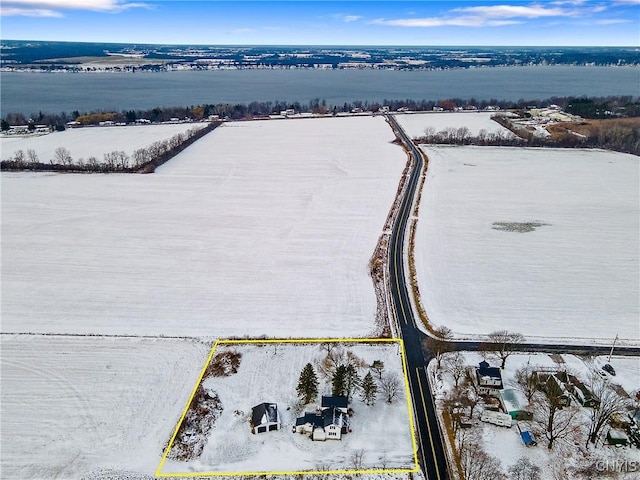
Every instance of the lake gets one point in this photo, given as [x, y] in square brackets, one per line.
[30, 93]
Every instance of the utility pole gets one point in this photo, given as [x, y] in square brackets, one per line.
[612, 347]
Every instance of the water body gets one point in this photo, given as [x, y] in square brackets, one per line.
[57, 92]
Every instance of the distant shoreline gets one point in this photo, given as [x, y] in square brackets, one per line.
[88, 68]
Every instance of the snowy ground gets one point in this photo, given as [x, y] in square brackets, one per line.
[415, 124]
[76, 405]
[259, 228]
[269, 373]
[569, 271]
[510, 444]
[93, 141]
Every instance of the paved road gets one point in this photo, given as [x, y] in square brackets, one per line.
[430, 447]
[430, 450]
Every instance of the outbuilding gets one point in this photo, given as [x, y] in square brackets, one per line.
[265, 418]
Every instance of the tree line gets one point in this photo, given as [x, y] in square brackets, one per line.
[613, 134]
[143, 160]
[586, 107]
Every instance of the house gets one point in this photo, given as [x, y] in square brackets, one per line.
[554, 381]
[330, 422]
[265, 418]
[514, 403]
[330, 401]
[582, 393]
[489, 379]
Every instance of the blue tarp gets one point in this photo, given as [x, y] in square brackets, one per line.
[527, 438]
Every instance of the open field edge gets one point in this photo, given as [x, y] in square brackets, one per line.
[400, 343]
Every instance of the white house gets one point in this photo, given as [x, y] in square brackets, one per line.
[265, 418]
[329, 423]
[489, 379]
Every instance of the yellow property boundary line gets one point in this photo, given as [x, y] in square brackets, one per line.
[303, 472]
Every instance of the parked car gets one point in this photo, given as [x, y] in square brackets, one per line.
[609, 369]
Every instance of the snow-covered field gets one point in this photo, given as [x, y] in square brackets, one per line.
[93, 141]
[259, 228]
[270, 373]
[566, 454]
[539, 241]
[73, 407]
[415, 124]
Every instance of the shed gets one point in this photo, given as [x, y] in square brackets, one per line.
[616, 436]
[514, 404]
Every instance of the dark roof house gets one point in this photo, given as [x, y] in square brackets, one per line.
[334, 402]
[264, 418]
[331, 422]
[488, 377]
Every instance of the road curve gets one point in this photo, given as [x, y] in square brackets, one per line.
[430, 448]
[431, 453]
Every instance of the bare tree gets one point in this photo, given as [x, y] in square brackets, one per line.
[32, 156]
[18, 157]
[503, 343]
[470, 397]
[439, 343]
[357, 458]
[554, 420]
[390, 386]
[453, 407]
[523, 469]
[526, 382]
[378, 367]
[478, 465]
[608, 404]
[332, 361]
[454, 366]
[328, 346]
[62, 156]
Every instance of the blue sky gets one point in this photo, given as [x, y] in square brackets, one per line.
[474, 22]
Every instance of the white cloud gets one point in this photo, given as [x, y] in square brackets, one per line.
[511, 11]
[462, 21]
[501, 15]
[347, 18]
[242, 31]
[611, 21]
[28, 12]
[51, 8]
[626, 2]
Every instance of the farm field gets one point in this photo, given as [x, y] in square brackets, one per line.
[415, 124]
[539, 241]
[83, 407]
[86, 142]
[381, 432]
[259, 228]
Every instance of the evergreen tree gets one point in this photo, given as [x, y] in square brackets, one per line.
[369, 389]
[352, 380]
[307, 384]
[339, 381]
